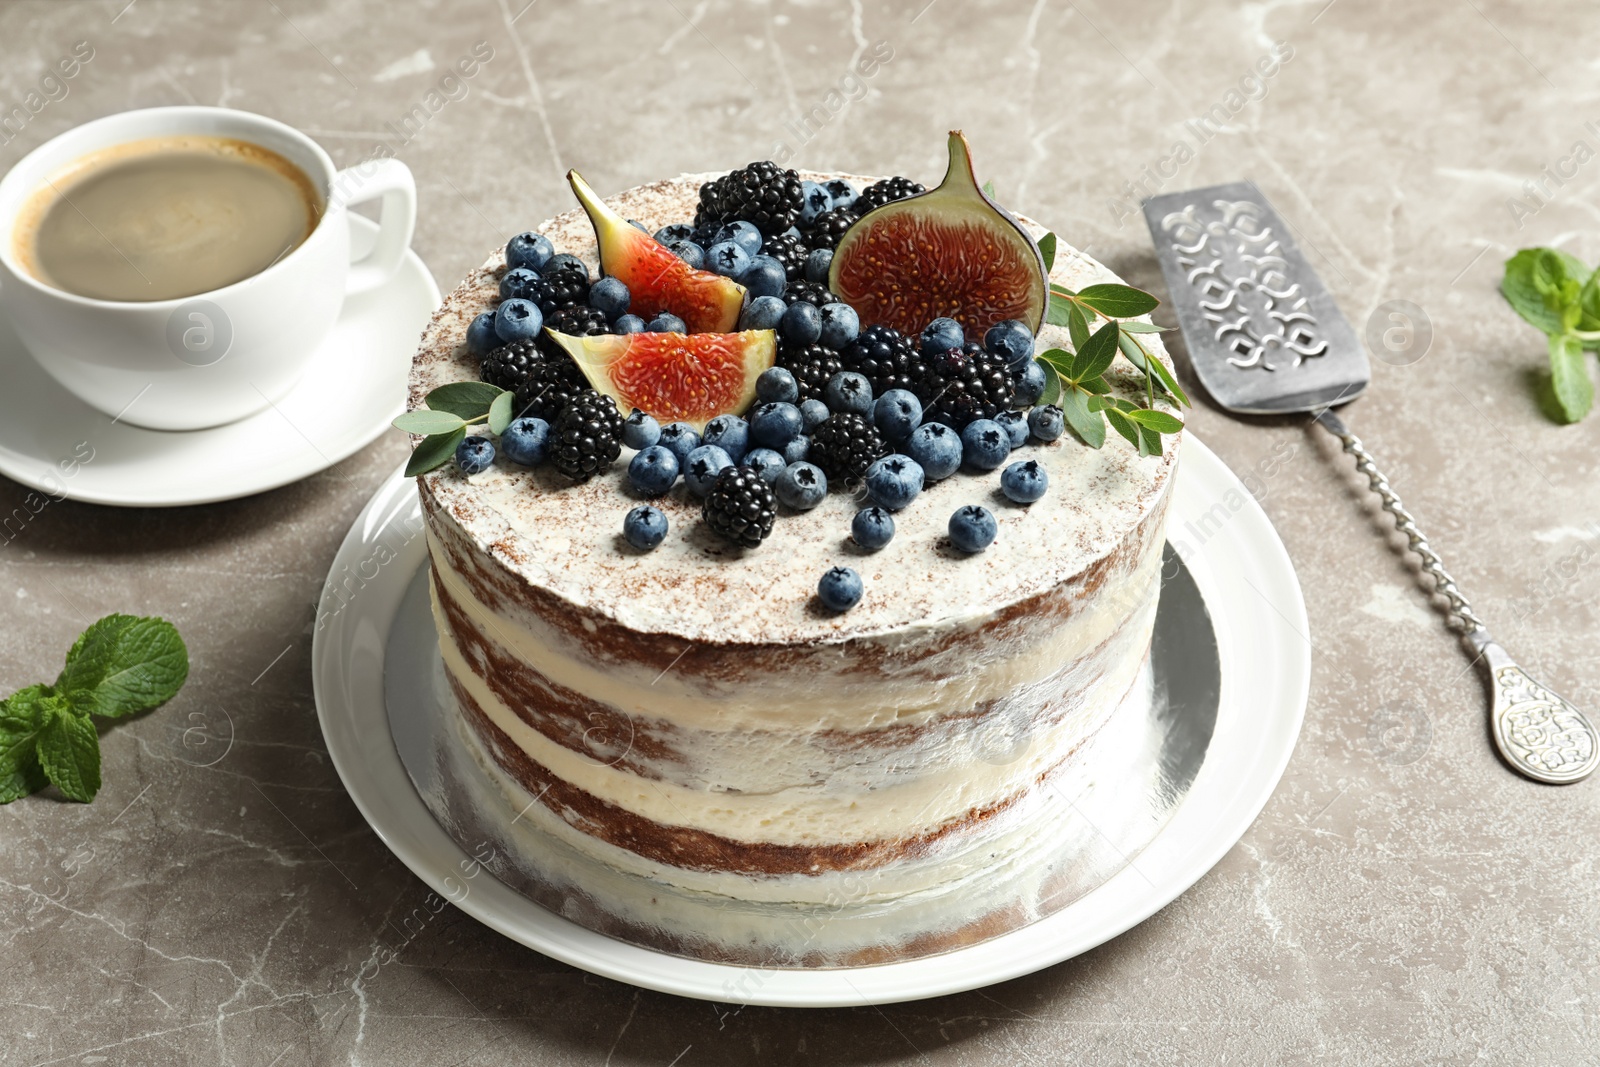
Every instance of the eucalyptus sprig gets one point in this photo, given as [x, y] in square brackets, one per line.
[443, 422]
[1075, 380]
[1559, 295]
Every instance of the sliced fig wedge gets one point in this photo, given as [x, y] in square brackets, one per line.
[656, 279]
[676, 377]
[951, 251]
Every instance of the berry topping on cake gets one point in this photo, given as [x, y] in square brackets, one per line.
[740, 507]
[790, 251]
[886, 192]
[762, 193]
[840, 589]
[846, 445]
[886, 357]
[972, 528]
[588, 437]
[509, 365]
[813, 366]
[960, 385]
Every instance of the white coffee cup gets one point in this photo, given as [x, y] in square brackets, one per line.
[214, 357]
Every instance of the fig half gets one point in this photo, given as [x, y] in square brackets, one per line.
[951, 251]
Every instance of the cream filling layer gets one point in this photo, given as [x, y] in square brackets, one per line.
[814, 813]
[826, 701]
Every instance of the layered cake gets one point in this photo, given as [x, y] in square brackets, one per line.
[767, 701]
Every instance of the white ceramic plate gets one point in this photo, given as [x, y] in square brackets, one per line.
[53, 442]
[1259, 617]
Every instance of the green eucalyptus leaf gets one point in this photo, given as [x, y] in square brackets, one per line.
[1569, 377]
[1095, 385]
[1052, 384]
[1142, 327]
[1118, 301]
[1119, 422]
[1149, 441]
[1078, 327]
[1147, 363]
[470, 400]
[1047, 249]
[1089, 425]
[1095, 354]
[988, 189]
[1056, 313]
[425, 421]
[500, 412]
[434, 451]
[1159, 421]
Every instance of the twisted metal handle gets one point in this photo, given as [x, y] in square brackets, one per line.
[1443, 584]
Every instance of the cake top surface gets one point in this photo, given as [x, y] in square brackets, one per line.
[567, 539]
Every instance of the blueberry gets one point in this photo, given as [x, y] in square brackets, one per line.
[743, 234]
[729, 433]
[610, 297]
[531, 250]
[936, 448]
[972, 528]
[840, 325]
[1030, 386]
[645, 527]
[566, 261]
[676, 231]
[801, 486]
[801, 323]
[840, 589]
[766, 462]
[474, 455]
[764, 277]
[481, 338]
[516, 282]
[817, 264]
[636, 224]
[689, 252]
[1046, 423]
[727, 259]
[653, 470]
[1024, 481]
[518, 320]
[814, 200]
[774, 424]
[843, 193]
[680, 438]
[1011, 341]
[985, 444]
[872, 528]
[640, 430]
[1015, 424]
[849, 391]
[526, 441]
[703, 466]
[797, 449]
[762, 313]
[814, 413]
[893, 482]
[941, 335]
[666, 322]
[777, 386]
[629, 324]
[896, 413]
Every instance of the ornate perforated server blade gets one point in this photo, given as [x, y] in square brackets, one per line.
[1265, 336]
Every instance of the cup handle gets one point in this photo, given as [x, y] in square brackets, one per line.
[389, 180]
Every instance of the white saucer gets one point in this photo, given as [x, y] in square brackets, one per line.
[1259, 619]
[355, 386]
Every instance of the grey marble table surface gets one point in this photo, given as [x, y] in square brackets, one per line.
[1403, 899]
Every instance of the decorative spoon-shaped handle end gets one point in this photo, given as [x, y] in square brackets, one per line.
[1537, 732]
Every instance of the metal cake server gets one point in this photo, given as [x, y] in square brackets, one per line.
[1266, 338]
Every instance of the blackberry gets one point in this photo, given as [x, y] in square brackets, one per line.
[829, 227]
[588, 437]
[762, 193]
[960, 385]
[550, 388]
[810, 292]
[509, 365]
[812, 365]
[740, 506]
[845, 446]
[556, 290]
[580, 321]
[790, 251]
[888, 358]
[887, 191]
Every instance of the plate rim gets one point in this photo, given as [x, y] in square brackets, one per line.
[14, 467]
[1266, 674]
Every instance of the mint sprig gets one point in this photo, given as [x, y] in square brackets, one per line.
[119, 666]
[443, 422]
[1559, 295]
[1075, 381]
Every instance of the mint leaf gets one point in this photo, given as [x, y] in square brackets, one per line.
[500, 412]
[1589, 301]
[470, 400]
[1118, 301]
[69, 750]
[20, 719]
[122, 665]
[1047, 249]
[1095, 354]
[1078, 327]
[1533, 279]
[1569, 377]
[434, 451]
[1089, 425]
[426, 421]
